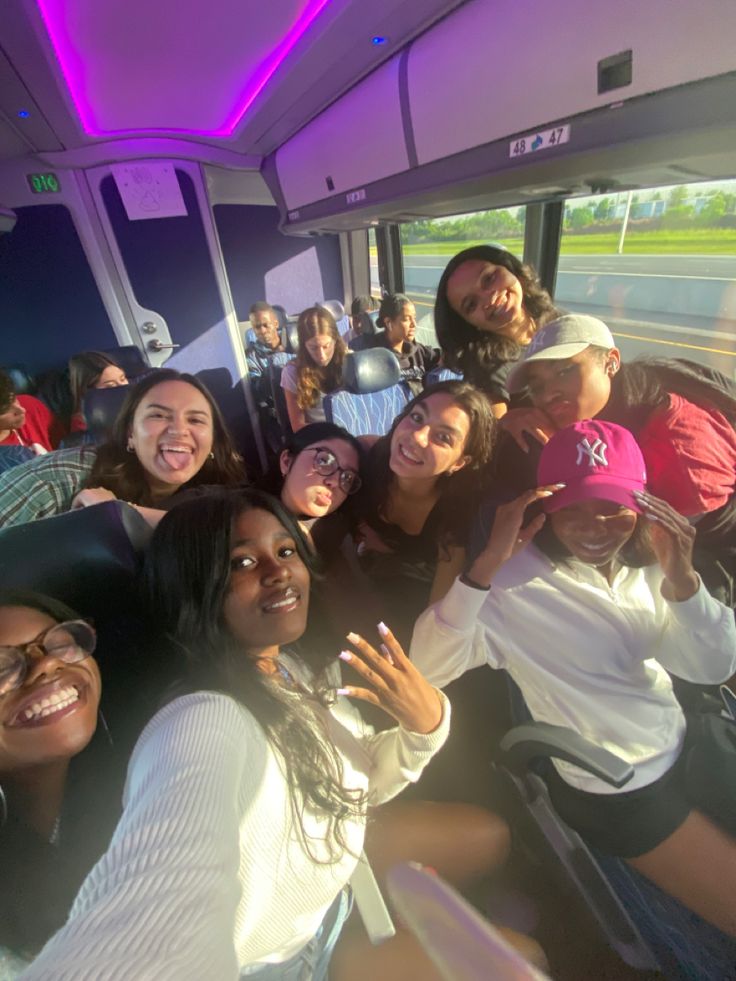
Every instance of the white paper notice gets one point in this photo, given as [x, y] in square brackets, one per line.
[149, 190]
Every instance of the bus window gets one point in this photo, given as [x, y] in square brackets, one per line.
[428, 245]
[659, 266]
[373, 257]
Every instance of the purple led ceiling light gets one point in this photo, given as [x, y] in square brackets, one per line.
[55, 14]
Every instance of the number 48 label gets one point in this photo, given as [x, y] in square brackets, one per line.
[539, 141]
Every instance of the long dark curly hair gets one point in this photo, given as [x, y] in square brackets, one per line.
[186, 579]
[468, 350]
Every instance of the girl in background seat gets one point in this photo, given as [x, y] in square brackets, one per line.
[316, 370]
[88, 370]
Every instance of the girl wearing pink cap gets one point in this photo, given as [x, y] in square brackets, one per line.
[592, 603]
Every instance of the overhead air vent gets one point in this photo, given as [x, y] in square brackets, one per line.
[614, 72]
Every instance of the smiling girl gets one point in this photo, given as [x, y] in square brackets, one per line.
[589, 633]
[49, 701]
[169, 434]
[423, 482]
[489, 306]
[245, 804]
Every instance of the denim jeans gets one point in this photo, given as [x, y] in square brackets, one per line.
[312, 961]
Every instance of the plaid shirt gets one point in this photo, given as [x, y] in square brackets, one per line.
[44, 486]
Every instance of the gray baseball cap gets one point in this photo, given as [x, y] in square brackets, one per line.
[561, 338]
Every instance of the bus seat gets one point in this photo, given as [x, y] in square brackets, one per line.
[11, 456]
[373, 395]
[23, 382]
[130, 359]
[462, 944]
[441, 375]
[100, 407]
[647, 928]
[88, 558]
[337, 310]
[282, 315]
[277, 393]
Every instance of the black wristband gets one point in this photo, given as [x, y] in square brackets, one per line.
[467, 581]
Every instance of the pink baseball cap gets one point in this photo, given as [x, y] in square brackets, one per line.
[594, 459]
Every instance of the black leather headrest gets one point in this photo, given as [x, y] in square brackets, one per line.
[88, 558]
[281, 313]
[371, 370]
[23, 382]
[130, 359]
[100, 407]
[368, 323]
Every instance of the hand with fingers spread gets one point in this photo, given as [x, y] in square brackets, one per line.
[507, 534]
[672, 537]
[393, 683]
[535, 422]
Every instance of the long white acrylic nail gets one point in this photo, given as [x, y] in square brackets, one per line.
[383, 629]
[345, 656]
[353, 638]
[342, 691]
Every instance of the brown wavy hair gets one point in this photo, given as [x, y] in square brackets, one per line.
[461, 491]
[121, 472]
[464, 347]
[313, 381]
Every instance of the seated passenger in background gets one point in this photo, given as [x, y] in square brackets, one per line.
[170, 435]
[247, 794]
[356, 338]
[258, 353]
[317, 369]
[489, 306]
[60, 798]
[397, 316]
[91, 369]
[26, 421]
[682, 418]
[421, 490]
[568, 606]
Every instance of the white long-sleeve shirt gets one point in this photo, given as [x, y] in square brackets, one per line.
[205, 875]
[585, 654]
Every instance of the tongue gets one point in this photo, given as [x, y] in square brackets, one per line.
[177, 461]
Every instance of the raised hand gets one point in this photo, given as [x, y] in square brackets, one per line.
[672, 538]
[507, 535]
[535, 422]
[393, 683]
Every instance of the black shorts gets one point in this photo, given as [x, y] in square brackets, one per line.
[632, 823]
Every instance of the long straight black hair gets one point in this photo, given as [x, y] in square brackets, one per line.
[186, 578]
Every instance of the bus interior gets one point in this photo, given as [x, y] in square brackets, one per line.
[164, 166]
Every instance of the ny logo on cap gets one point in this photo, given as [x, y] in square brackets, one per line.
[592, 455]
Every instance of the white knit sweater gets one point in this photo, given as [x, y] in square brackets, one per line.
[205, 875]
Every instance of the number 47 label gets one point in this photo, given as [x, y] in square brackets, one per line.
[542, 140]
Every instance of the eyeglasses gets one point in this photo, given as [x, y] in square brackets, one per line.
[325, 464]
[69, 642]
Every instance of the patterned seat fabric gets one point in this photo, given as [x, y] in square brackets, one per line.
[364, 415]
[11, 456]
[441, 375]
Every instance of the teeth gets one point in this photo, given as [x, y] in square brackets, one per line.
[54, 703]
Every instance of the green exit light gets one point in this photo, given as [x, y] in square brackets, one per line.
[43, 183]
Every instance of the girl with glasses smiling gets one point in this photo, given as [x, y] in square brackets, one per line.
[57, 805]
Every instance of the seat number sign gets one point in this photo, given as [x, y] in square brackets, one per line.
[543, 140]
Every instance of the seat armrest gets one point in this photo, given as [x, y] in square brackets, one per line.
[526, 743]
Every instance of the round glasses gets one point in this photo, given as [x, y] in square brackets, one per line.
[325, 464]
[69, 642]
